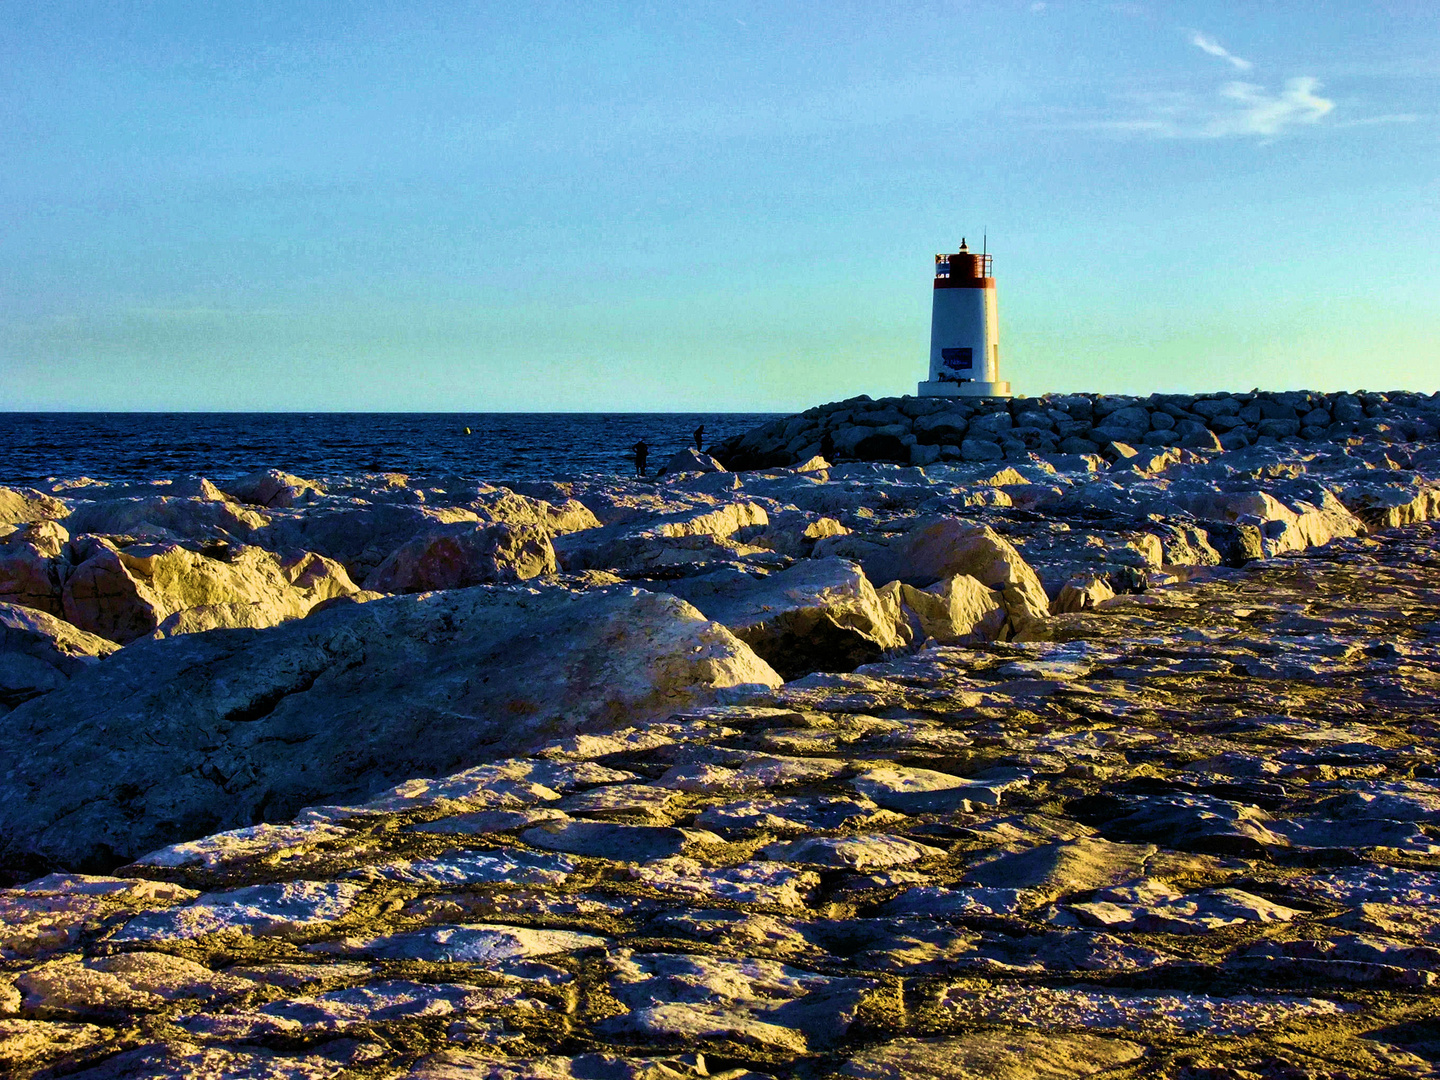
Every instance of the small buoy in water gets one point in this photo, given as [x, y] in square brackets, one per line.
[467, 431]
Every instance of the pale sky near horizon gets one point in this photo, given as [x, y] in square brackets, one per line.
[723, 206]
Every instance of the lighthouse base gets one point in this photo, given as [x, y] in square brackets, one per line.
[970, 388]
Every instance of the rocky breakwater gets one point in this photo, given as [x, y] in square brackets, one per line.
[922, 431]
[1060, 766]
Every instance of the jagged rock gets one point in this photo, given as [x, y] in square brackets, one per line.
[171, 739]
[359, 537]
[273, 488]
[795, 532]
[21, 505]
[125, 594]
[852, 852]
[690, 460]
[953, 610]
[26, 1045]
[821, 614]
[503, 506]
[40, 653]
[32, 566]
[1081, 593]
[460, 555]
[671, 539]
[163, 517]
[939, 548]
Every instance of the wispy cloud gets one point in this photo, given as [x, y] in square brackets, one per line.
[1238, 109]
[1206, 43]
[1259, 112]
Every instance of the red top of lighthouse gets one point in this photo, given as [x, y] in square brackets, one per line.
[963, 270]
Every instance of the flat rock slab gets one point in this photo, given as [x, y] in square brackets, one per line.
[619, 843]
[771, 883]
[852, 852]
[1063, 867]
[985, 1056]
[459, 1065]
[473, 943]
[461, 867]
[339, 1010]
[52, 912]
[294, 908]
[128, 982]
[1092, 1009]
[917, 791]
[1154, 907]
[794, 814]
[677, 996]
[186, 1061]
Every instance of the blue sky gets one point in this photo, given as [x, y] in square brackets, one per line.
[449, 206]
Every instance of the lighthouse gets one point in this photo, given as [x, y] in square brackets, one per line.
[964, 329]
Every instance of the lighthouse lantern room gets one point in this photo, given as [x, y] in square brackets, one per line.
[964, 329]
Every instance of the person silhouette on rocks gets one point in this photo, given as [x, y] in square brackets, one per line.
[827, 447]
[700, 438]
[642, 451]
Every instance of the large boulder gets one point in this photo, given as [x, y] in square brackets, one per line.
[690, 460]
[503, 506]
[1285, 527]
[951, 611]
[359, 536]
[940, 547]
[32, 563]
[165, 517]
[819, 615]
[274, 488]
[21, 505]
[173, 739]
[129, 593]
[460, 555]
[40, 653]
[655, 542]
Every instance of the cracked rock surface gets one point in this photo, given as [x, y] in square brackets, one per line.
[1186, 830]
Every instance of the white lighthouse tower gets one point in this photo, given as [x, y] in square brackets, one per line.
[964, 330]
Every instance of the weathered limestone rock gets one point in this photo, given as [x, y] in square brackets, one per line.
[952, 610]
[32, 566]
[821, 614]
[657, 542]
[125, 594]
[40, 653]
[360, 537]
[174, 738]
[1082, 593]
[21, 505]
[690, 460]
[274, 488]
[163, 517]
[503, 506]
[939, 548]
[461, 555]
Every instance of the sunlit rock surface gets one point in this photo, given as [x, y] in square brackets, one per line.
[1098, 752]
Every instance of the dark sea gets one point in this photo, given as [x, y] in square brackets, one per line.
[36, 447]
